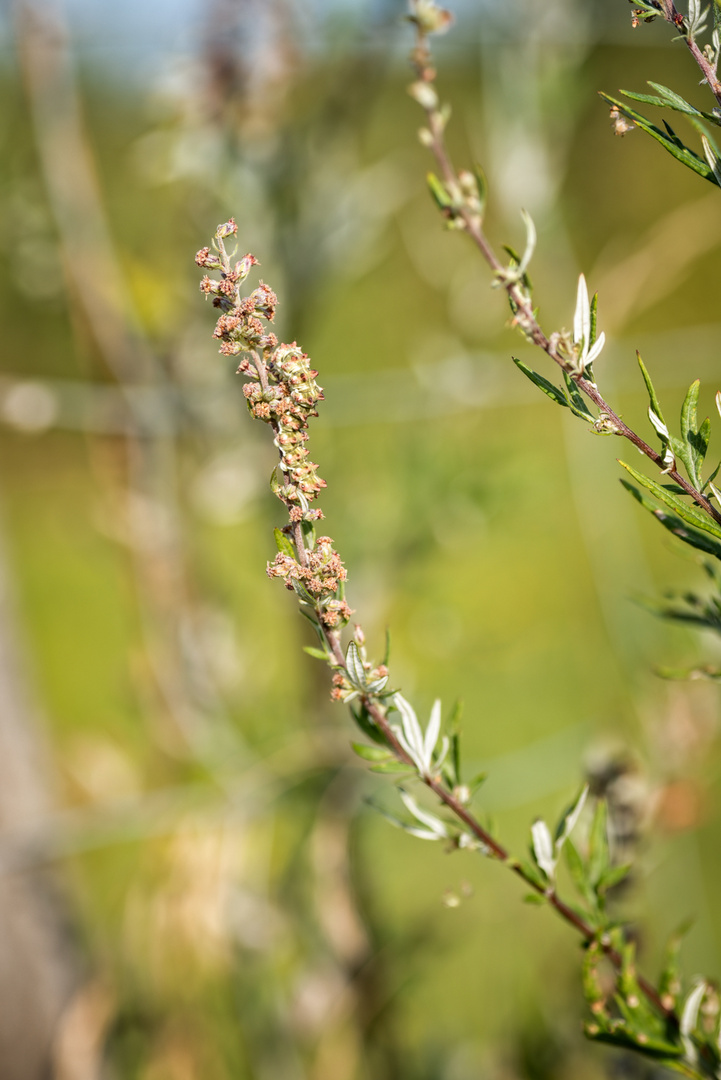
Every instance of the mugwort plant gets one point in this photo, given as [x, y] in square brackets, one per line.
[676, 1025]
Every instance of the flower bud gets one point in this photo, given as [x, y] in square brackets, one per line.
[228, 228]
[424, 94]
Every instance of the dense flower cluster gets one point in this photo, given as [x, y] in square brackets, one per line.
[321, 578]
[281, 390]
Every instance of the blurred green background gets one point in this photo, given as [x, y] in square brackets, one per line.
[191, 880]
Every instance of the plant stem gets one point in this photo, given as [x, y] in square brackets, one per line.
[525, 315]
[675, 18]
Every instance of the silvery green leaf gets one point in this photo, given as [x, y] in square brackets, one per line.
[432, 732]
[425, 818]
[689, 1016]
[530, 242]
[595, 350]
[570, 820]
[354, 665]
[658, 424]
[411, 736]
[377, 685]
[371, 753]
[582, 315]
[422, 834]
[543, 847]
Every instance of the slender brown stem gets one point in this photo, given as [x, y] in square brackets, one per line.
[497, 851]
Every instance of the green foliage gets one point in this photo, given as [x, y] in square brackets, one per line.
[668, 140]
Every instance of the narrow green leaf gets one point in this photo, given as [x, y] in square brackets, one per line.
[365, 722]
[681, 153]
[317, 654]
[613, 876]
[674, 100]
[686, 511]
[532, 874]
[393, 767]
[300, 590]
[673, 136]
[554, 392]
[568, 818]
[576, 402]
[437, 189]
[575, 866]
[653, 399]
[371, 753]
[699, 442]
[535, 898]
[283, 543]
[594, 320]
[689, 410]
[454, 731]
[691, 536]
[666, 99]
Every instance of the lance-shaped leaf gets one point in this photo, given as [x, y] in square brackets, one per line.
[569, 819]
[584, 329]
[671, 144]
[439, 192]
[436, 829]
[367, 725]
[554, 392]
[543, 848]
[283, 543]
[654, 403]
[692, 450]
[712, 157]
[686, 511]
[689, 1017]
[317, 654]
[576, 402]
[690, 535]
[409, 735]
[354, 666]
[371, 753]
[414, 830]
[419, 747]
[665, 98]
[531, 237]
